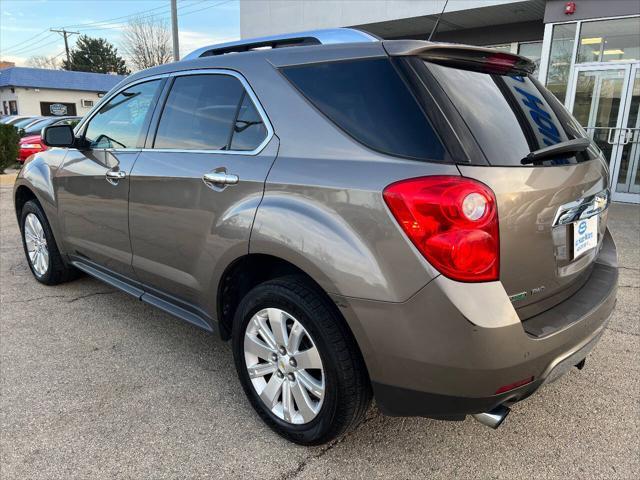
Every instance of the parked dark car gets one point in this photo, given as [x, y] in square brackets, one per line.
[35, 127]
[23, 122]
[13, 119]
[421, 222]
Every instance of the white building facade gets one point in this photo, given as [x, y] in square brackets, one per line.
[35, 91]
[40, 101]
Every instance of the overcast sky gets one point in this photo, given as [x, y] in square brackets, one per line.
[25, 24]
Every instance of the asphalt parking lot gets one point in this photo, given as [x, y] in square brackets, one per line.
[95, 384]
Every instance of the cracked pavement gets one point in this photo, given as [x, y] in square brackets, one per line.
[96, 384]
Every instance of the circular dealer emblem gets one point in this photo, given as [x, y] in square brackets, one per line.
[582, 227]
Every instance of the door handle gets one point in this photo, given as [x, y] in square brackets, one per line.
[220, 178]
[113, 176]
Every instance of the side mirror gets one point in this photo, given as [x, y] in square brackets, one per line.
[58, 136]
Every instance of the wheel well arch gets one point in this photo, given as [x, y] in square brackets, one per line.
[241, 276]
[251, 270]
[22, 195]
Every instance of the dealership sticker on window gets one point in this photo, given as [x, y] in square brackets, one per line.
[585, 235]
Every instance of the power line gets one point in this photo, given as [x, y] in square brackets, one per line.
[34, 43]
[119, 26]
[11, 47]
[139, 14]
[30, 47]
[207, 7]
[111, 20]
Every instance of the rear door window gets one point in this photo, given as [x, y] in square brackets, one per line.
[248, 130]
[209, 112]
[509, 115]
[370, 101]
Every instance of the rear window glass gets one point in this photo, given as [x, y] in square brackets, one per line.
[509, 115]
[370, 101]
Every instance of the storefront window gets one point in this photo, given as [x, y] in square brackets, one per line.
[609, 40]
[533, 51]
[560, 59]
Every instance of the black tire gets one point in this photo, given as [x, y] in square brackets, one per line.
[57, 270]
[347, 387]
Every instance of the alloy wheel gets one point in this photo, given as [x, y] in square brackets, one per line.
[36, 244]
[284, 366]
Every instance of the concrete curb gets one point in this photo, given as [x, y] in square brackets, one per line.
[8, 179]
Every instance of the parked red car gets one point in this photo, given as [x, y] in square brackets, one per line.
[30, 145]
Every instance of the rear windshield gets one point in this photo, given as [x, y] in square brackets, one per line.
[369, 100]
[509, 115]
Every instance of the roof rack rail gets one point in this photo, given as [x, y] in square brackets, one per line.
[311, 37]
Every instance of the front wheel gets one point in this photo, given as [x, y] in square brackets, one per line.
[298, 363]
[45, 261]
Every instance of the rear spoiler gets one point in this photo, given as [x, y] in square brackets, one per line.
[461, 56]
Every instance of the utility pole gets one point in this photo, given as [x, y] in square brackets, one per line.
[174, 30]
[66, 34]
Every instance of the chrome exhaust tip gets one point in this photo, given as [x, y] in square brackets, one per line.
[494, 418]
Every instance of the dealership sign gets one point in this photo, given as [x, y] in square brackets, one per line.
[58, 109]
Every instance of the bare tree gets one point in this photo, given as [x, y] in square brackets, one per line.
[42, 61]
[147, 42]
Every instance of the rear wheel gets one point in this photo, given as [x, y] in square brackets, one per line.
[298, 363]
[40, 248]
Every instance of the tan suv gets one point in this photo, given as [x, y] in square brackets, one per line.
[419, 222]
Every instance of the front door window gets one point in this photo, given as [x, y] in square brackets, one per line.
[121, 122]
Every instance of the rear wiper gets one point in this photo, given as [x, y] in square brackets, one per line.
[570, 146]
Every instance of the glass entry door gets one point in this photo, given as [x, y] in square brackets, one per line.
[604, 99]
[628, 179]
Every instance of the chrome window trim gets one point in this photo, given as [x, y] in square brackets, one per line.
[184, 73]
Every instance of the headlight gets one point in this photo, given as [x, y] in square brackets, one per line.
[31, 146]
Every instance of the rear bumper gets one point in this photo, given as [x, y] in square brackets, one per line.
[444, 354]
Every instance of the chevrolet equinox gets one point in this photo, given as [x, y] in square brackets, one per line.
[420, 223]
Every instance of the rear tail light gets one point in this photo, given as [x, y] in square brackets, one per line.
[31, 146]
[453, 221]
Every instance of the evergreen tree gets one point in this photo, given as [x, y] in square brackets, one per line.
[95, 55]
